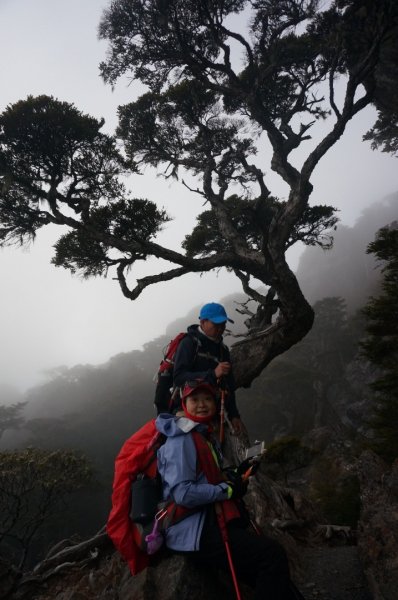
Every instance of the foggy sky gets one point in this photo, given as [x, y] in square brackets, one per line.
[48, 317]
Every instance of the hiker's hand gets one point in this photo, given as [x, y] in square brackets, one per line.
[237, 426]
[231, 474]
[223, 368]
[238, 487]
[247, 464]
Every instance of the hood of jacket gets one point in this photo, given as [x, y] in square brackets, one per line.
[172, 426]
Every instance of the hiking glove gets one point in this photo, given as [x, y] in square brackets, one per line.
[231, 473]
[247, 464]
[237, 488]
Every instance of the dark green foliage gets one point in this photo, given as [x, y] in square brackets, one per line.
[206, 237]
[92, 410]
[19, 221]
[151, 35]
[10, 417]
[151, 39]
[45, 138]
[155, 41]
[336, 492]
[285, 456]
[381, 345]
[128, 220]
[251, 219]
[52, 154]
[384, 133]
[34, 485]
[297, 392]
[284, 394]
[184, 123]
[186, 127]
[315, 226]
[331, 343]
[79, 252]
[58, 167]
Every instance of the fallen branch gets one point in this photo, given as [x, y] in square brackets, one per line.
[72, 554]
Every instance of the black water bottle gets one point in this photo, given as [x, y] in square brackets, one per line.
[145, 496]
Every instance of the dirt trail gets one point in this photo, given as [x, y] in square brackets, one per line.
[333, 574]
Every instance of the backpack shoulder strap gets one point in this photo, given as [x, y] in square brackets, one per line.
[196, 342]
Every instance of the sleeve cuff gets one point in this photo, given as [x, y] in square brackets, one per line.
[227, 490]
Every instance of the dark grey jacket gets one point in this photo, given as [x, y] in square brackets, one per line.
[197, 356]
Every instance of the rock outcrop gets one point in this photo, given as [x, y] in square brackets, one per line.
[378, 526]
[92, 570]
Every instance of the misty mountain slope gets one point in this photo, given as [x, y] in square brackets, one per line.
[125, 382]
[346, 270]
[120, 392]
[320, 384]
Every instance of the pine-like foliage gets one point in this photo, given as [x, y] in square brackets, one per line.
[381, 347]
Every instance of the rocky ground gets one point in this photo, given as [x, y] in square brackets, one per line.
[333, 574]
[327, 565]
[94, 571]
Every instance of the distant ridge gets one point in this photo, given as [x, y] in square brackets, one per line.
[346, 270]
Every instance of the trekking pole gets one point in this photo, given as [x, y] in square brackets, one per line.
[224, 534]
[255, 527]
[222, 415]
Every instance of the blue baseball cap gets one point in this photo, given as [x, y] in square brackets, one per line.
[214, 312]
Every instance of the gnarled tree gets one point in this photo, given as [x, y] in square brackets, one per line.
[214, 93]
[34, 486]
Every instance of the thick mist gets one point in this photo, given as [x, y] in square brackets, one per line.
[321, 383]
[49, 318]
[345, 272]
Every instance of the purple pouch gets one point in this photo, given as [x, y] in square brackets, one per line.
[154, 540]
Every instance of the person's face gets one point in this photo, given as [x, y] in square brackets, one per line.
[201, 404]
[213, 330]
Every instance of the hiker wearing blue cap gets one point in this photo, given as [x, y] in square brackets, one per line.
[202, 354]
[214, 312]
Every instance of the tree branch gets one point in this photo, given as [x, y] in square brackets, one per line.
[259, 175]
[146, 281]
[194, 190]
[198, 265]
[225, 223]
[331, 94]
[244, 278]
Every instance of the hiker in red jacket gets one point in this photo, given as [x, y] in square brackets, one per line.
[217, 532]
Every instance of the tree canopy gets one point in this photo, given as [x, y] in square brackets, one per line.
[215, 92]
[34, 484]
[384, 134]
[10, 416]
